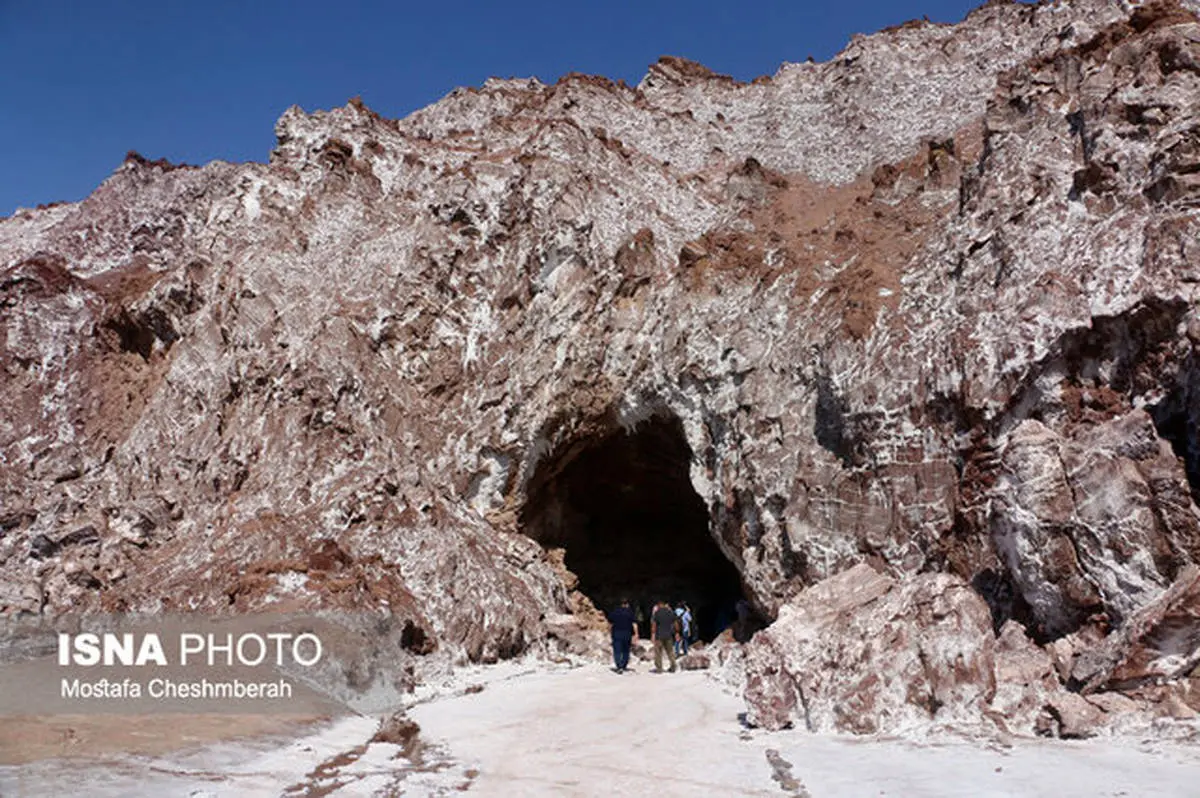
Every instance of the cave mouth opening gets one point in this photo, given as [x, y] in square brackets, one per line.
[622, 508]
[1177, 419]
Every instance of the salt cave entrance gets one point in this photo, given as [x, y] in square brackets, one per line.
[622, 508]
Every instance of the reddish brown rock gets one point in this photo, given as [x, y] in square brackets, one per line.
[861, 653]
[1113, 703]
[929, 305]
[1025, 679]
[1159, 642]
[1176, 701]
[1074, 716]
[574, 635]
[1091, 523]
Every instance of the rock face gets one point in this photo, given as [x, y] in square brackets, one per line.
[861, 653]
[929, 305]
[1026, 682]
[1160, 642]
[1091, 523]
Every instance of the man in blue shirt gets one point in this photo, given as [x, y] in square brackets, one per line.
[684, 613]
[624, 632]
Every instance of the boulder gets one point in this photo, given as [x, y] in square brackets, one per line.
[860, 652]
[577, 635]
[1025, 679]
[1160, 641]
[1075, 716]
[1089, 522]
[1113, 703]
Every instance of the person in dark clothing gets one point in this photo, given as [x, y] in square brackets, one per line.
[664, 628]
[639, 616]
[624, 632]
[741, 627]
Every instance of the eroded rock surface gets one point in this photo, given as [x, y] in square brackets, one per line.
[862, 653]
[1160, 642]
[1096, 523]
[929, 305]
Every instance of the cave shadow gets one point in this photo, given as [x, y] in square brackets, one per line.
[622, 507]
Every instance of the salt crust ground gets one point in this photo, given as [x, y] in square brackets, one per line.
[539, 731]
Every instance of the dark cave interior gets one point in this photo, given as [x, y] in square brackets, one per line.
[624, 511]
[1175, 417]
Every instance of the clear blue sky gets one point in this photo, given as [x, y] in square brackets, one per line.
[83, 81]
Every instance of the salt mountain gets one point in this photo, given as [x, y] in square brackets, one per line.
[906, 338]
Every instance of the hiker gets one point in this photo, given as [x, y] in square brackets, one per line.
[624, 632]
[684, 613]
[664, 629]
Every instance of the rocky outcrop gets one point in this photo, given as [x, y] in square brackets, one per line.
[1026, 682]
[862, 653]
[1159, 643]
[1093, 524]
[928, 306]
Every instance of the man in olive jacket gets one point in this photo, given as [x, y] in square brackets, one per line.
[664, 629]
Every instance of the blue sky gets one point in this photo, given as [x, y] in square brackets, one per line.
[83, 81]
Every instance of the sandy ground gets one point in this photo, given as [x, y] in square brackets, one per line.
[543, 731]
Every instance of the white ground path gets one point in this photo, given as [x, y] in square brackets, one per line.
[546, 731]
[589, 732]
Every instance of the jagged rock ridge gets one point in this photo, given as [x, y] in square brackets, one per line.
[927, 306]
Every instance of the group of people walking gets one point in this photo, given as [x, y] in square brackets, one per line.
[672, 630]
